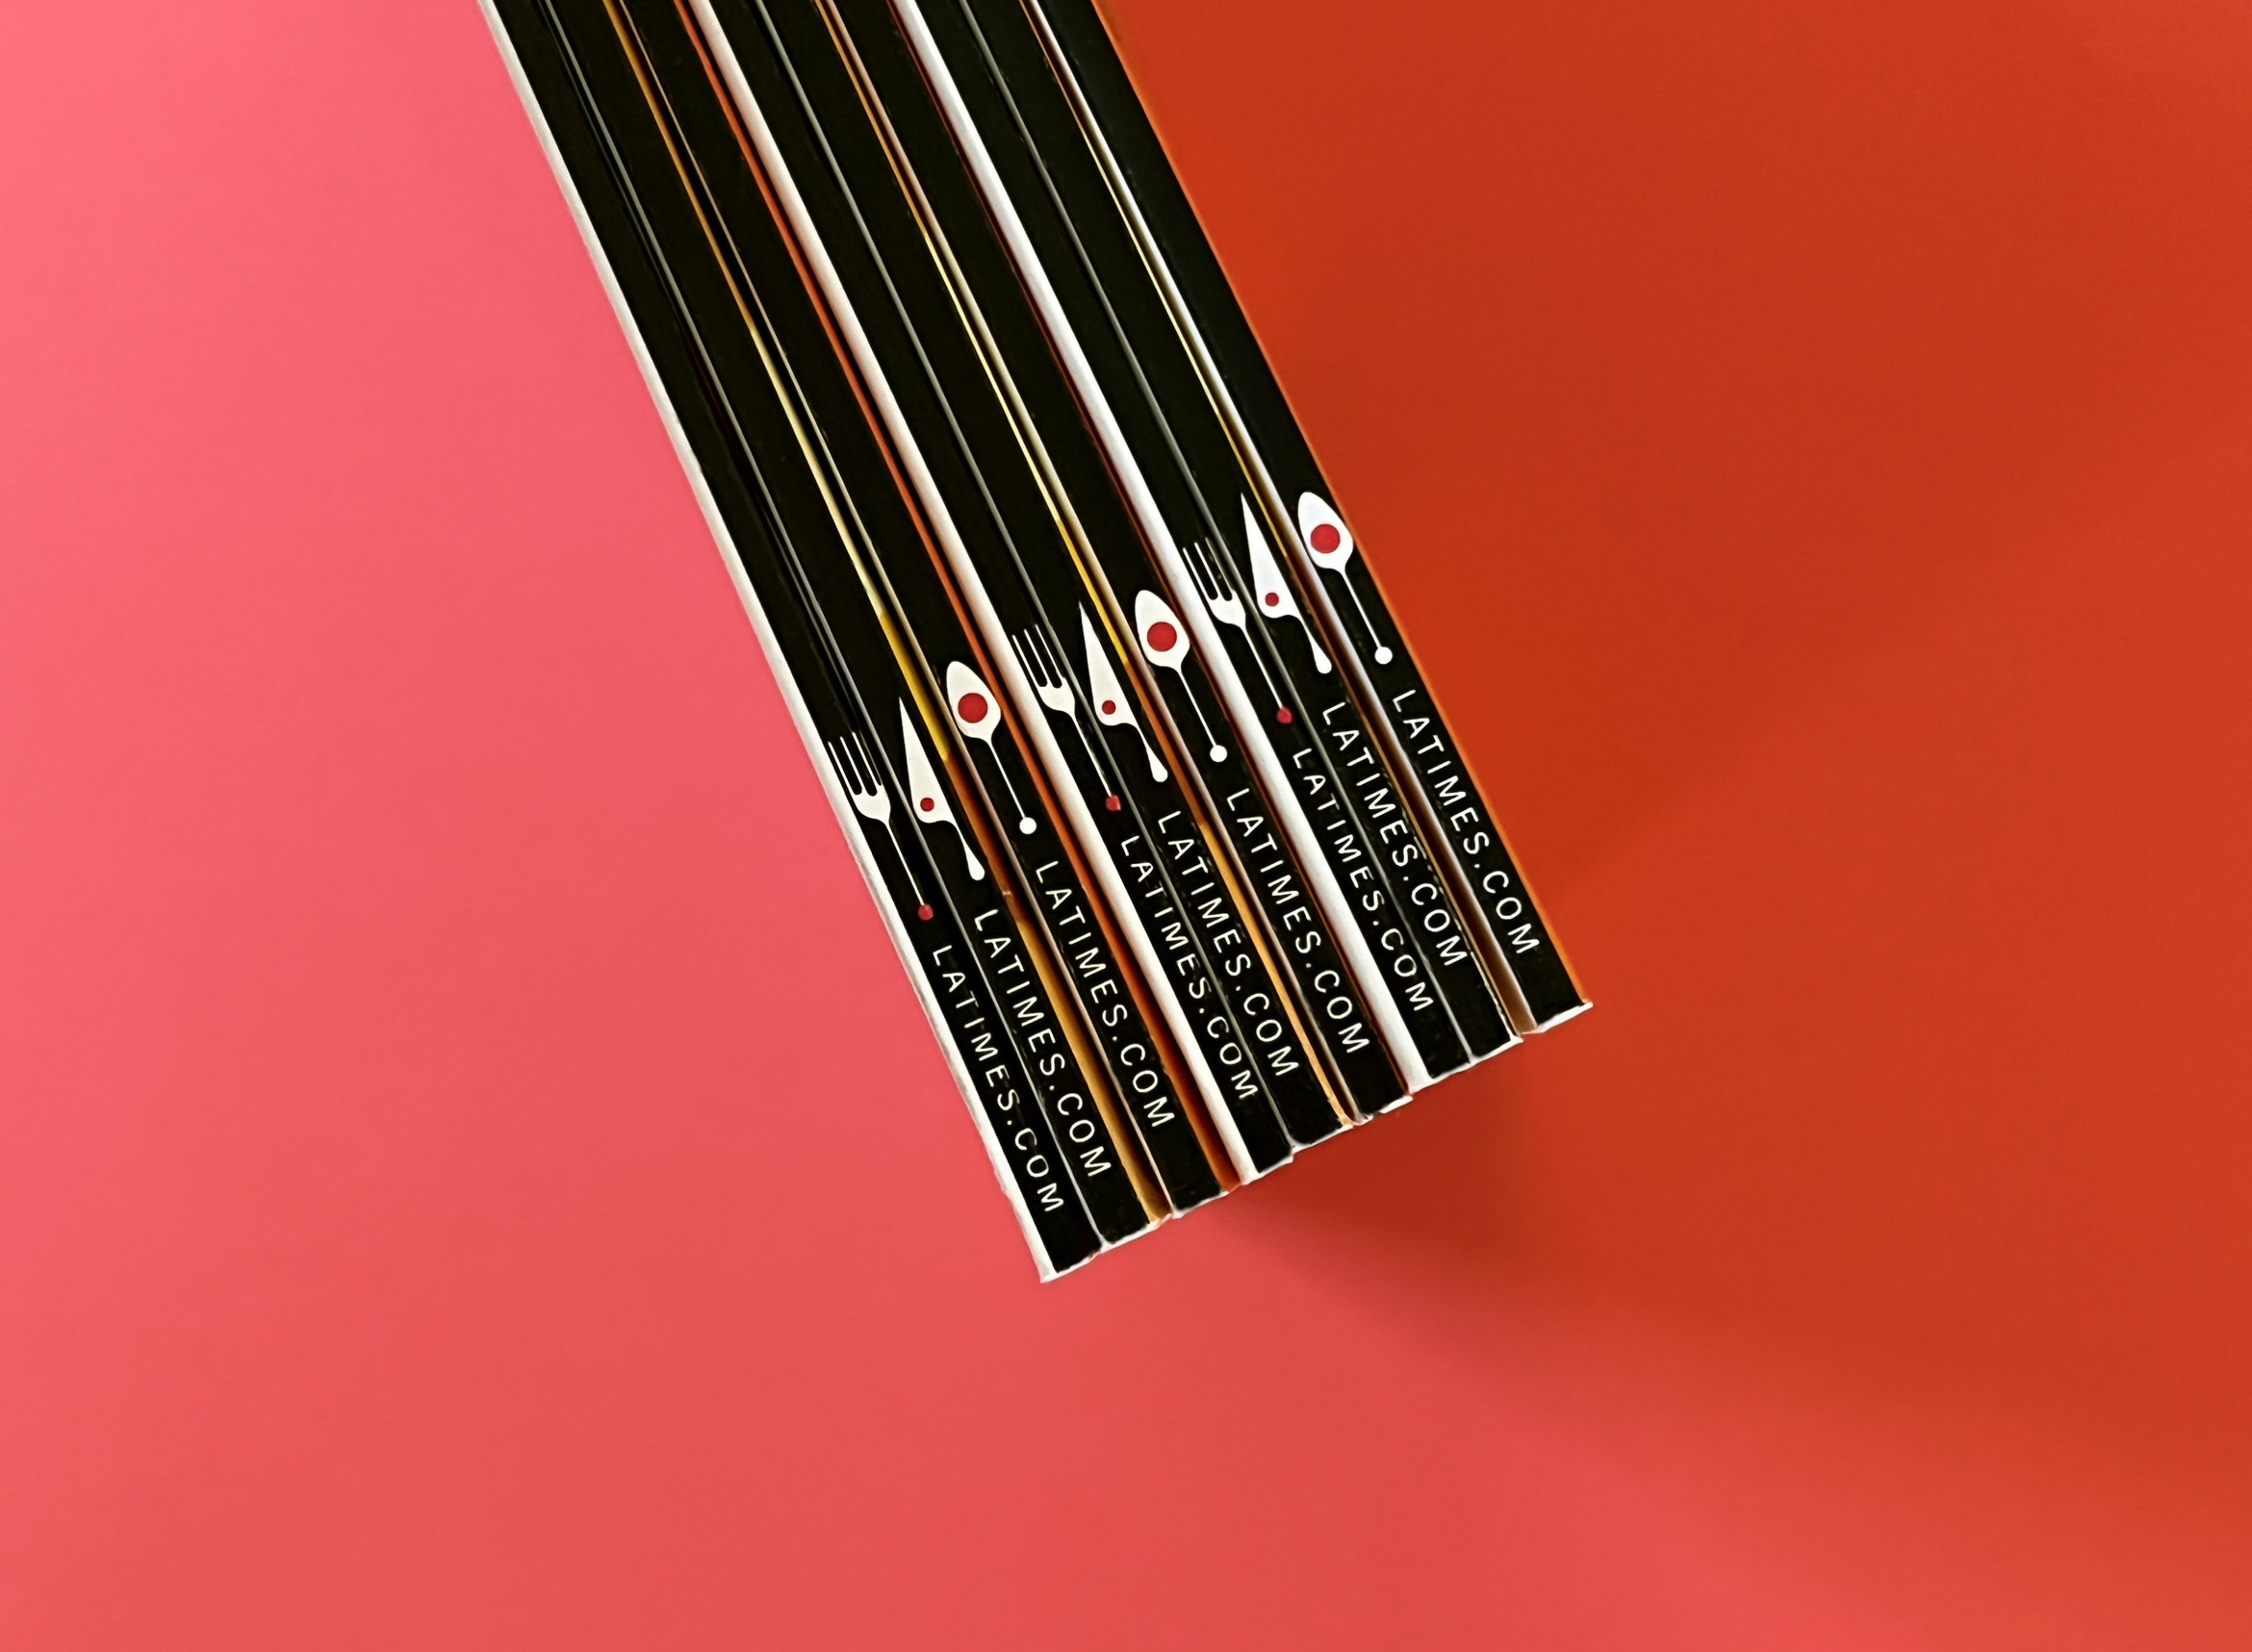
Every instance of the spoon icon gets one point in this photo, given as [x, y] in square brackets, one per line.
[1330, 543]
[1165, 642]
[977, 714]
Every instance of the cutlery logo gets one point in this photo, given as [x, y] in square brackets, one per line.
[1044, 665]
[1112, 708]
[857, 774]
[930, 806]
[1275, 600]
[1164, 643]
[978, 716]
[1219, 596]
[1331, 546]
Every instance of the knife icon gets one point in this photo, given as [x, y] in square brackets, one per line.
[930, 806]
[1112, 708]
[1275, 600]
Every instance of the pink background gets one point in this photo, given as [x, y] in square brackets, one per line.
[472, 1173]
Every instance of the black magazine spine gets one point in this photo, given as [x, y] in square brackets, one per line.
[1509, 922]
[931, 193]
[893, 567]
[1294, 700]
[1062, 668]
[933, 909]
[815, 538]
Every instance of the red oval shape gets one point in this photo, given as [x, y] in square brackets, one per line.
[1162, 637]
[971, 708]
[1324, 538]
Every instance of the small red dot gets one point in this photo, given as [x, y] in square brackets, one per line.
[1109, 706]
[1111, 802]
[1161, 636]
[1324, 538]
[922, 912]
[1272, 597]
[927, 804]
[1281, 713]
[972, 709]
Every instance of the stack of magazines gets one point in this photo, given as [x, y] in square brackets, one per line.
[1181, 856]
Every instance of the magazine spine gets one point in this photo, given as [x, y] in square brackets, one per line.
[1505, 917]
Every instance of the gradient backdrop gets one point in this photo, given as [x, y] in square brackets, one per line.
[472, 1173]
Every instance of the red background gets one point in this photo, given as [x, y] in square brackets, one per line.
[474, 1176]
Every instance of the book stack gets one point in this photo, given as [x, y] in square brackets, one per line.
[1178, 850]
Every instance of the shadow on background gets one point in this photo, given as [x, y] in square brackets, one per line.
[1807, 447]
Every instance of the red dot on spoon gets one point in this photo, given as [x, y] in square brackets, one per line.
[1271, 598]
[1109, 706]
[1161, 636]
[972, 707]
[927, 805]
[1324, 538]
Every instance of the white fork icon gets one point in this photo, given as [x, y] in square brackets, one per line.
[872, 802]
[1043, 664]
[1211, 583]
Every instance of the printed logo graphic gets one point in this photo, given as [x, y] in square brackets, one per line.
[930, 806]
[1219, 596]
[1166, 643]
[857, 774]
[1112, 708]
[1275, 600]
[977, 714]
[1330, 545]
[1044, 665]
